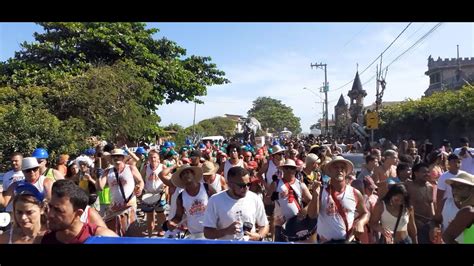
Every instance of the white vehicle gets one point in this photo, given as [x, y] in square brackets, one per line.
[212, 138]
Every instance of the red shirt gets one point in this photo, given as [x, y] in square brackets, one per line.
[87, 230]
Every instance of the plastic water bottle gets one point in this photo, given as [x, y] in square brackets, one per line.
[239, 235]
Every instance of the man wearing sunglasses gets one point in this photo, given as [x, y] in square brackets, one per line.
[236, 211]
[42, 156]
[31, 171]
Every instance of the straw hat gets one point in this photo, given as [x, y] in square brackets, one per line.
[464, 178]
[118, 152]
[176, 179]
[209, 168]
[288, 163]
[349, 165]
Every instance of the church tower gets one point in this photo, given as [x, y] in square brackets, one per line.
[357, 95]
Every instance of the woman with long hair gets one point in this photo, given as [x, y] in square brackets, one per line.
[29, 220]
[393, 217]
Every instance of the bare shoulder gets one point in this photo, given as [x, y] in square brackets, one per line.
[5, 237]
[103, 231]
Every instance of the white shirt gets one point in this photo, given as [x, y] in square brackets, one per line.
[9, 178]
[330, 223]
[445, 187]
[153, 183]
[228, 165]
[174, 197]
[128, 183]
[272, 170]
[221, 211]
[283, 207]
[449, 212]
[195, 207]
[467, 163]
[216, 184]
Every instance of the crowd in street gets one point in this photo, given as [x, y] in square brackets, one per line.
[288, 190]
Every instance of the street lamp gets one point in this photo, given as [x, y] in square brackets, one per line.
[314, 92]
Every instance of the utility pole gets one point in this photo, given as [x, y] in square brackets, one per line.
[326, 89]
[194, 121]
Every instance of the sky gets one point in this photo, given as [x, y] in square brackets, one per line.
[273, 60]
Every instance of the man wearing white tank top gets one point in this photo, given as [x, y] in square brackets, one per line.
[192, 201]
[270, 168]
[154, 188]
[336, 206]
[30, 169]
[233, 150]
[291, 196]
[216, 181]
[125, 182]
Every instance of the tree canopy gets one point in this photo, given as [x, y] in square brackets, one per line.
[78, 80]
[273, 114]
[445, 113]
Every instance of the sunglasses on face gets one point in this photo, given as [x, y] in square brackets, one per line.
[240, 185]
[31, 170]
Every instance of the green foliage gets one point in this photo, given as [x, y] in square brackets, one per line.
[273, 114]
[25, 124]
[84, 79]
[217, 126]
[68, 49]
[111, 101]
[418, 115]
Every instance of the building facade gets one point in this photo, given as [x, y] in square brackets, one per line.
[449, 74]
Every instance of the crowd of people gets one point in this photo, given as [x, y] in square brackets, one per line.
[292, 190]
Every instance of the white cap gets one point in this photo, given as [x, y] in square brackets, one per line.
[29, 163]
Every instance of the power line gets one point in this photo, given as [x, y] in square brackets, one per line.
[353, 37]
[396, 51]
[375, 60]
[408, 49]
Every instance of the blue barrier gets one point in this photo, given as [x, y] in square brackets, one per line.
[144, 240]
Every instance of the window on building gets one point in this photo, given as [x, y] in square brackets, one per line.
[435, 78]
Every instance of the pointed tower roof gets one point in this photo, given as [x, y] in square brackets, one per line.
[341, 101]
[357, 88]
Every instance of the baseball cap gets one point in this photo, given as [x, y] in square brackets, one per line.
[24, 188]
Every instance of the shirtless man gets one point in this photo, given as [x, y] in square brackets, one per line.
[386, 170]
[421, 198]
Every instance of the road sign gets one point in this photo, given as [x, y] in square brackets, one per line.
[372, 120]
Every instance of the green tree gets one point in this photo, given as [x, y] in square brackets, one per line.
[26, 123]
[273, 114]
[217, 126]
[78, 80]
[68, 49]
[173, 127]
[110, 99]
[446, 111]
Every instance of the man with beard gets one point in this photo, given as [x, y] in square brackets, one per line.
[236, 213]
[67, 204]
